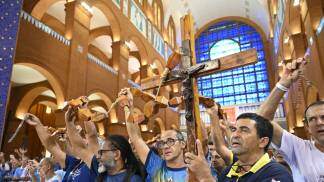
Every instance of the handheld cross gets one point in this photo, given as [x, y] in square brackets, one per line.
[188, 73]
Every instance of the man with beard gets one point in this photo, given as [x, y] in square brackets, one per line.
[117, 161]
[169, 168]
[305, 157]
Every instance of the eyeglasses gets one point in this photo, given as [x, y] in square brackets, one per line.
[315, 118]
[169, 142]
[100, 152]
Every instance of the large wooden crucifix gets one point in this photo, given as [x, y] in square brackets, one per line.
[188, 73]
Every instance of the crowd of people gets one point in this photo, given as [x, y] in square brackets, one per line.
[236, 152]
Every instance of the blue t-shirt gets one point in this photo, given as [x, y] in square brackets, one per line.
[77, 170]
[157, 171]
[121, 176]
[18, 172]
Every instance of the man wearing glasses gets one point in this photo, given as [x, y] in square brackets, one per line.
[305, 158]
[171, 167]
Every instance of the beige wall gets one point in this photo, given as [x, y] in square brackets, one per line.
[69, 73]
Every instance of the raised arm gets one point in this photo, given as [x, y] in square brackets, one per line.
[91, 136]
[291, 72]
[133, 129]
[46, 139]
[77, 142]
[217, 136]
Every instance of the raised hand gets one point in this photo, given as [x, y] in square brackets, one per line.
[22, 150]
[31, 119]
[17, 152]
[213, 110]
[291, 71]
[198, 165]
[125, 98]
[71, 114]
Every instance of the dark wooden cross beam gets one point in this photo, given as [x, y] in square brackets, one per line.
[212, 66]
[188, 73]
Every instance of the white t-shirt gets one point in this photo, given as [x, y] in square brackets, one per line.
[4, 167]
[55, 178]
[304, 159]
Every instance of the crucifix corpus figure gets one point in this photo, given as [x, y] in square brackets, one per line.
[189, 71]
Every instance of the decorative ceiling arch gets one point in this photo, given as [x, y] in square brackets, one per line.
[41, 8]
[100, 31]
[99, 95]
[104, 44]
[111, 17]
[234, 18]
[158, 65]
[98, 19]
[141, 49]
[134, 65]
[208, 10]
[27, 100]
[52, 79]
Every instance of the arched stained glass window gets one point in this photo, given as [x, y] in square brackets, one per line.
[248, 84]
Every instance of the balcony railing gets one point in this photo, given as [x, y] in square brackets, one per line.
[38, 24]
[133, 84]
[105, 66]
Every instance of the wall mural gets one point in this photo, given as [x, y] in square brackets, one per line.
[125, 8]
[158, 42]
[9, 14]
[278, 24]
[149, 31]
[138, 18]
[117, 2]
[142, 24]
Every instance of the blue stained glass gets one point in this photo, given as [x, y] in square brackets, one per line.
[227, 81]
[226, 73]
[260, 55]
[217, 82]
[216, 75]
[218, 92]
[237, 71]
[207, 93]
[206, 77]
[240, 99]
[263, 86]
[260, 66]
[260, 76]
[248, 68]
[223, 48]
[238, 79]
[249, 77]
[220, 100]
[228, 90]
[206, 84]
[251, 87]
[262, 96]
[239, 89]
[241, 85]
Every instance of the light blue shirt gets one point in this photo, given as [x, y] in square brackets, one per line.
[157, 171]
